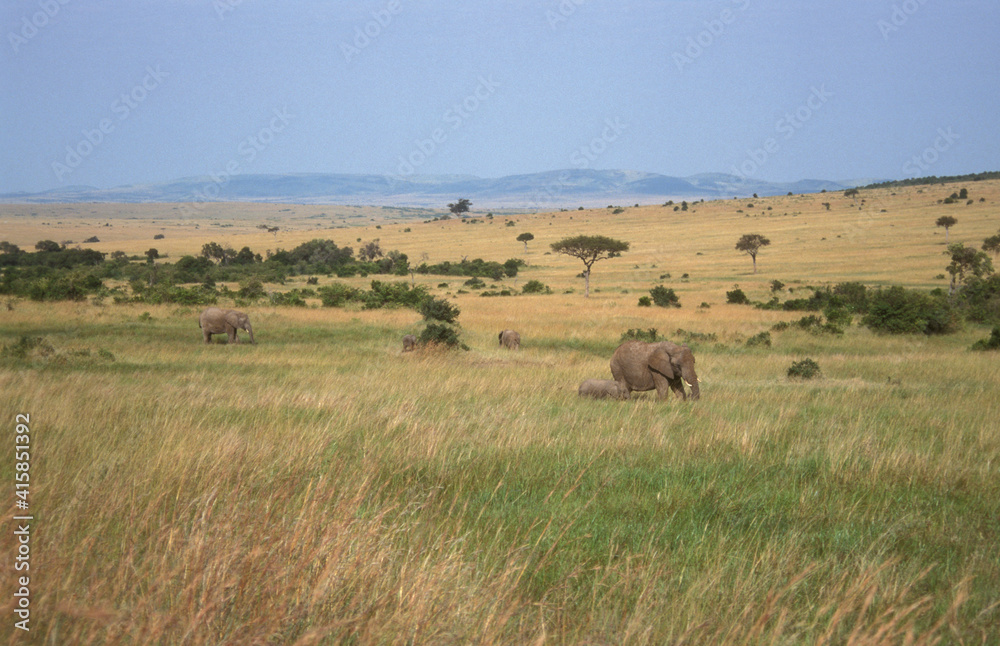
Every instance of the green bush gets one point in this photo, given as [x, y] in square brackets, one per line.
[737, 297]
[650, 335]
[292, 298]
[992, 343]
[397, 294]
[664, 297]
[805, 369]
[645, 301]
[535, 287]
[438, 309]
[337, 294]
[897, 310]
[440, 334]
[762, 339]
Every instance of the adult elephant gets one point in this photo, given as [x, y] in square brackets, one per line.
[215, 320]
[638, 365]
[510, 339]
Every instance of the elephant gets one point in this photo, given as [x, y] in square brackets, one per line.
[218, 321]
[638, 365]
[409, 342]
[510, 339]
[603, 388]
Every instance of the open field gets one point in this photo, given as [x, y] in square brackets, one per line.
[321, 487]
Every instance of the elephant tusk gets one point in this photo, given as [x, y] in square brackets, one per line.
[687, 384]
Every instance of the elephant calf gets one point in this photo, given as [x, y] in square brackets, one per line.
[219, 321]
[603, 389]
[409, 343]
[510, 339]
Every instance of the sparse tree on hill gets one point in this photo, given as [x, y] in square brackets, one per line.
[370, 251]
[47, 245]
[525, 238]
[966, 262]
[992, 244]
[215, 251]
[151, 255]
[750, 244]
[460, 207]
[590, 249]
[947, 222]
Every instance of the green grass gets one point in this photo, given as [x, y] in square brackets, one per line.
[322, 486]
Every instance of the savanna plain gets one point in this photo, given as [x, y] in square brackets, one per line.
[323, 487]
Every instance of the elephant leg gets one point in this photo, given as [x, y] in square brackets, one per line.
[677, 385]
[207, 335]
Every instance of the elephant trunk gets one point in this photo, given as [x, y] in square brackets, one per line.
[249, 330]
[691, 379]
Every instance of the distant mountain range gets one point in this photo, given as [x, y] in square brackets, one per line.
[547, 190]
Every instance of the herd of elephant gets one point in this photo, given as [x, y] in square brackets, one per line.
[635, 365]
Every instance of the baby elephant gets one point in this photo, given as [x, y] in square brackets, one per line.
[409, 343]
[510, 339]
[602, 389]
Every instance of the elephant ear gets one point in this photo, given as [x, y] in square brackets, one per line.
[659, 361]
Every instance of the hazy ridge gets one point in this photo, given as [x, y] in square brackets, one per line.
[545, 190]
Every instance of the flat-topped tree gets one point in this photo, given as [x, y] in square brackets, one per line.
[460, 207]
[525, 238]
[590, 249]
[947, 222]
[750, 244]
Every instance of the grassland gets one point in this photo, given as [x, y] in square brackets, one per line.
[322, 487]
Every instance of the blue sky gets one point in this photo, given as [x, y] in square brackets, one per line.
[113, 92]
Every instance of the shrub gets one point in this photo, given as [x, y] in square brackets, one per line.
[650, 335]
[805, 369]
[645, 301]
[26, 345]
[293, 298]
[664, 297]
[475, 283]
[992, 343]
[337, 295]
[535, 287]
[762, 339]
[737, 297]
[393, 294]
[438, 309]
[251, 290]
[440, 334]
[900, 311]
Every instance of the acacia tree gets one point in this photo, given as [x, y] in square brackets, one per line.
[525, 238]
[590, 249]
[947, 222]
[750, 244]
[460, 207]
